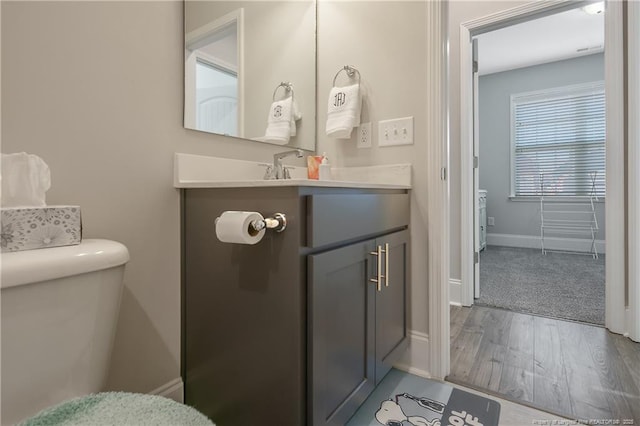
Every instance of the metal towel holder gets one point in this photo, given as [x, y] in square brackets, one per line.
[351, 72]
[288, 87]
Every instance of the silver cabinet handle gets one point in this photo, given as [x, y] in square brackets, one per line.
[386, 261]
[379, 278]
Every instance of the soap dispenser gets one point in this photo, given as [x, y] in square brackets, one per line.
[325, 168]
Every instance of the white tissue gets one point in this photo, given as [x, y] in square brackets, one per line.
[25, 180]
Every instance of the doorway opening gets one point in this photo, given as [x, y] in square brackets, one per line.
[541, 166]
[548, 363]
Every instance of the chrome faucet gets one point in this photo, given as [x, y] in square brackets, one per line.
[279, 171]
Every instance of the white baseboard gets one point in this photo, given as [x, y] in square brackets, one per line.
[416, 359]
[455, 292]
[172, 390]
[533, 241]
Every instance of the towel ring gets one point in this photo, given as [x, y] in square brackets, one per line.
[288, 87]
[350, 70]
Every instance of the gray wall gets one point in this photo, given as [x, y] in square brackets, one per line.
[520, 217]
[393, 66]
[96, 89]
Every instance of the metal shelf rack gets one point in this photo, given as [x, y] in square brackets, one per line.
[576, 218]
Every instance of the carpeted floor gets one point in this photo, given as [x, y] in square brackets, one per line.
[556, 285]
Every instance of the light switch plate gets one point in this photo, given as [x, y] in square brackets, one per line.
[398, 131]
[364, 135]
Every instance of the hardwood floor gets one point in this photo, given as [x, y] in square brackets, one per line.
[571, 369]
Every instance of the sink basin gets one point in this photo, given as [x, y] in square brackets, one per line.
[199, 171]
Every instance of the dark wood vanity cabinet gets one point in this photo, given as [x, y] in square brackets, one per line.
[358, 326]
[293, 330]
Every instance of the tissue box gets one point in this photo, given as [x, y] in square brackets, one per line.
[27, 228]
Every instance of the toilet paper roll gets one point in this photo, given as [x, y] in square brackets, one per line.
[235, 227]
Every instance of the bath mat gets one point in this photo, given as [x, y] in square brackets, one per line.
[119, 408]
[402, 399]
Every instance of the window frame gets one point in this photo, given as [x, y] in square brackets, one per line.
[554, 93]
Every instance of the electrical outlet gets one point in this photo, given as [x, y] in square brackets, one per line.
[398, 131]
[364, 135]
[491, 221]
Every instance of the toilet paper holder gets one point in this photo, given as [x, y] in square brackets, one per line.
[278, 223]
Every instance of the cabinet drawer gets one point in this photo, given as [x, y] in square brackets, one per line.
[340, 217]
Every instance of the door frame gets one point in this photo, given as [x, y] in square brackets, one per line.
[437, 206]
[633, 40]
[198, 38]
[614, 150]
[616, 205]
[438, 160]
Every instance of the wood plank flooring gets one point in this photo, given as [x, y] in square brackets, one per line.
[572, 369]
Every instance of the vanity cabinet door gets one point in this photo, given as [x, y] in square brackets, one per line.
[341, 323]
[391, 302]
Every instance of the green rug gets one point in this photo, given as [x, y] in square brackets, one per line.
[402, 399]
[119, 408]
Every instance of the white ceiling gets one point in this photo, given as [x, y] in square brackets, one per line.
[552, 38]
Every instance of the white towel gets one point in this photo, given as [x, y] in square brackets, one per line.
[281, 123]
[295, 116]
[343, 112]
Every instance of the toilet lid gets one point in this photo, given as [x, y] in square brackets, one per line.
[31, 266]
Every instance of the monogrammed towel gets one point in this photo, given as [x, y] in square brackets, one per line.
[343, 113]
[281, 123]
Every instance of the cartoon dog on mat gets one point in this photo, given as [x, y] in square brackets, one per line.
[391, 413]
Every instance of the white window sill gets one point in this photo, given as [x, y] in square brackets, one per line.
[536, 199]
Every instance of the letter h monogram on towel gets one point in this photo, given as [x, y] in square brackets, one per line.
[343, 111]
[281, 123]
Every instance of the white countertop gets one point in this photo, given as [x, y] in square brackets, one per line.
[197, 171]
[287, 182]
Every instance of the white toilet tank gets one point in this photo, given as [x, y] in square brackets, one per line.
[59, 312]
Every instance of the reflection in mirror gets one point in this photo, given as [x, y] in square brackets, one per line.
[212, 68]
[238, 56]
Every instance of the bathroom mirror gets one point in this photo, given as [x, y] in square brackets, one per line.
[240, 58]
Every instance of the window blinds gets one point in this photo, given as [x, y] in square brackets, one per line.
[559, 143]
